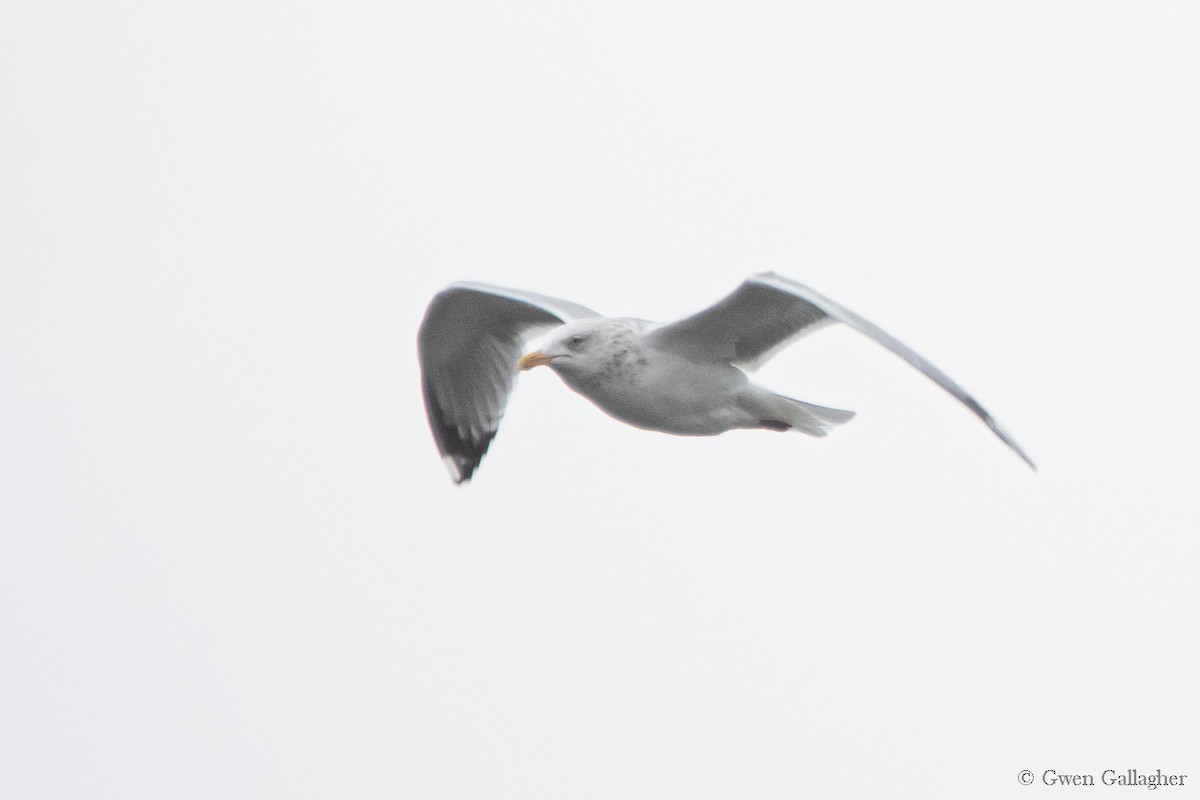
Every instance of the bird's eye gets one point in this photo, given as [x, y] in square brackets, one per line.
[574, 342]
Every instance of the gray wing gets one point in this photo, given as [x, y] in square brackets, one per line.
[768, 312]
[469, 343]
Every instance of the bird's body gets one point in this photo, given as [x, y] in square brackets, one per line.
[660, 389]
[685, 378]
[670, 394]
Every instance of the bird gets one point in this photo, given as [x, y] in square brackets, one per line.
[688, 377]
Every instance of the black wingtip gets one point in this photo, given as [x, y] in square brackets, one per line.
[461, 451]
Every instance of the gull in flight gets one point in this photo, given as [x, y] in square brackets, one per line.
[686, 377]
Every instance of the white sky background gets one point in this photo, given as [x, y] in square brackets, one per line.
[231, 564]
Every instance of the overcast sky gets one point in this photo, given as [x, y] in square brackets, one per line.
[231, 564]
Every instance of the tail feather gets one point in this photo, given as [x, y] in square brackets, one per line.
[776, 412]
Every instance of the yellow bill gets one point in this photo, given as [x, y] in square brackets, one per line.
[530, 360]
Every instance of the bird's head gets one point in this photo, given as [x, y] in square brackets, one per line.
[579, 347]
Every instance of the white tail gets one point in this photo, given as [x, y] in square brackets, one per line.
[779, 413]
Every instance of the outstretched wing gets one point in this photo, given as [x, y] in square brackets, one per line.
[469, 343]
[768, 312]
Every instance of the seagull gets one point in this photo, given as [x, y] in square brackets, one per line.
[687, 377]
